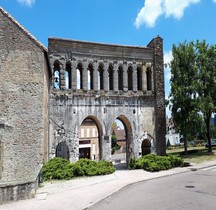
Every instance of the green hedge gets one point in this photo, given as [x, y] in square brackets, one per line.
[59, 168]
[153, 162]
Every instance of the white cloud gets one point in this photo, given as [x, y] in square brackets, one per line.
[176, 8]
[167, 58]
[214, 1]
[152, 10]
[149, 13]
[27, 2]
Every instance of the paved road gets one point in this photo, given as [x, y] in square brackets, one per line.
[193, 190]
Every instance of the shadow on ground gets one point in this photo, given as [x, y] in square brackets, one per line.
[120, 166]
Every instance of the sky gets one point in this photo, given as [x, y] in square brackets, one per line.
[127, 22]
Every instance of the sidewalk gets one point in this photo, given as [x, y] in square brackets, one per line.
[78, 194]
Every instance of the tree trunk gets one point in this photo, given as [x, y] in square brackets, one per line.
[208, 133]
[185, 145]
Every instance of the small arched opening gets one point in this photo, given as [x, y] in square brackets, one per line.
[130, 78]
[62, 150]
[68, 78]
[56, 73]
[139, 78]
[79, 76]
[100, 76]
[146, 147]
[89, 139]
[90, 76]
[120, 78]
[110, 71]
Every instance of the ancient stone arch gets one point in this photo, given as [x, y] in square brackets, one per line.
[107, 82]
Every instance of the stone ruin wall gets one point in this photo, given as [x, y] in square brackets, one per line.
[23, 110]
[133, 103]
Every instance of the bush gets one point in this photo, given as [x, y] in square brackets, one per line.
[59, 168]
[153, 162]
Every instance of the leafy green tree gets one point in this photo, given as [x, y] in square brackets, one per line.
[193, 87]
[206, 68]
[183, 90]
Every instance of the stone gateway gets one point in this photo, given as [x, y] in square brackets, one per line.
[62, 102]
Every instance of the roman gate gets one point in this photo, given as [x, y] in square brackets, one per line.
[92, 85]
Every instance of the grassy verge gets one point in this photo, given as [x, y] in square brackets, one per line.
[196, 154]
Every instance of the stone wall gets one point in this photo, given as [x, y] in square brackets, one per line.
[68, 111]
[138, 104]
[23, 106]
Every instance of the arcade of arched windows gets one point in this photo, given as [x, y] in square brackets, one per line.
[102, 76]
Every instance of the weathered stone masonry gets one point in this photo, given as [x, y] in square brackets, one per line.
[45, 95]
[104, 82]
[23, 110]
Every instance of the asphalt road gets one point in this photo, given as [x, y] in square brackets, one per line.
[194, 190]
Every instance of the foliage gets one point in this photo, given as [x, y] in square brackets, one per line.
[153, 162]
[114, 145]
[59, 168]
[193, 85]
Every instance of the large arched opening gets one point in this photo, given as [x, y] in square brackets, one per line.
[90, 133]
[122, 139]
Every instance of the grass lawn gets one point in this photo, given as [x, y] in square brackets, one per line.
[196, 154]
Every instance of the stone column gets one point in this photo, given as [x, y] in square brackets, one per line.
[74, 75]
[125, 77]
[135, 77]
[115, 76]
[152, 78]
[144, 80]
[85, 76]
[95, 76]
[105, 77]
[62, 78]
[160, 120]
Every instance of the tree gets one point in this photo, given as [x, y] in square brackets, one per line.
[206, 69]
[193, 87]
[183, 90]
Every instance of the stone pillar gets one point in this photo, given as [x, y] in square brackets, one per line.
[62, 78]
[144, 80]
[85, 76]
[160, 120]
[135, 77]
[115, 75]
[105, 77]
[74, 75]
[152, 77]
[125, 77]
[95, 76]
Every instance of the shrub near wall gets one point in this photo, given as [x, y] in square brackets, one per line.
[59, 168]
[153, 162]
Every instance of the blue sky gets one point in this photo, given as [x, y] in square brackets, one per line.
[129, 22]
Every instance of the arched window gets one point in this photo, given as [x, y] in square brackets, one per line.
[90, 77]
[139, 78]
[130, 78]
[68, 79]
[100, 76]
[79, 76]
[110, 71]
[120, 78]
[149, 78]
[56, 70]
